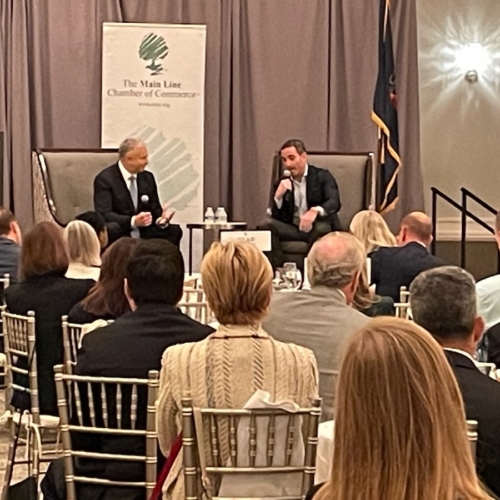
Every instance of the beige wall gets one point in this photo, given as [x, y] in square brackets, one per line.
[460, 122]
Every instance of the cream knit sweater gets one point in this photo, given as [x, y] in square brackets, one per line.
[223, 371]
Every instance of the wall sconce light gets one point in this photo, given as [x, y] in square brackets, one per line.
[472, 59]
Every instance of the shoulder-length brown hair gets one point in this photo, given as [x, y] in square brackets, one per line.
[107, 296]
[44, 251]
[400, 430]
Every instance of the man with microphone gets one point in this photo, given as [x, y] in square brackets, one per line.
[126, 195]
[305, 203]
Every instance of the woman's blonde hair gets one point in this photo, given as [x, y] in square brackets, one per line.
[237, 279]
[364, 297]
[400, 430]
[372, 230]
[83, 243]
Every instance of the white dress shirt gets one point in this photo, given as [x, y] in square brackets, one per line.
[135, 233]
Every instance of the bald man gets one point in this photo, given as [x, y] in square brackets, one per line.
[395, 267]
[322, 319]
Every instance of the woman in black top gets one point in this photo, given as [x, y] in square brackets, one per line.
[106, 300]
[45, 290]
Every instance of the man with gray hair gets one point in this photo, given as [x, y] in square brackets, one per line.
[322, 319]
[443, 301]
[126, 195]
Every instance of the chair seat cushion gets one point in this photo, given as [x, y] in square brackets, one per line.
[299, 247]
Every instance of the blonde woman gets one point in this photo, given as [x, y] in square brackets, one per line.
[400, 431]
[226, 368]
[84, 251]
[372, 230]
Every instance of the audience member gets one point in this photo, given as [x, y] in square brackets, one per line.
[443, 301]
[45, 290]
[400, 429]
[106, 299]
[96, 220]
[393, 268]
[368, 302]
[323, 319]
[130, 347]
[488, 295]
[225, 370]
[84, 251]
[10, 244]
[372, 230]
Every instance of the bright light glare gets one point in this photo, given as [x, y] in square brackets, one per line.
[472, 56]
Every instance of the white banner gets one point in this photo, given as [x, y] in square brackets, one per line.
[153, 80]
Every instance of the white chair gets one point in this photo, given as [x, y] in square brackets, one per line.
[4, 284]
[194, 304]
[108, 407]
[211, 439]
[21, 375]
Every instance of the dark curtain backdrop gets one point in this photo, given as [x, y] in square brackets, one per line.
[275, 70]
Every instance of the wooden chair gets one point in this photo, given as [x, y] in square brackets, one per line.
[21, 376]
[219, 429]
[72, 333]
[472, 436]
[194, 304]
[113, 410]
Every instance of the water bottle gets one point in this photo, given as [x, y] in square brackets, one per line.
[209, 216]
[221, 215]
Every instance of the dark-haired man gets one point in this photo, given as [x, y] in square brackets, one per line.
[10, 244]
[130, 347]
[96, 220]
[443, 301]
[305, 204]
[394, 267]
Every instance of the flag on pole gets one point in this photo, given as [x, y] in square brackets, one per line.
[385, 115]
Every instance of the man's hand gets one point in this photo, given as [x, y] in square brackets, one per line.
[307, 220]
[166, 216]
[284, 186]
[144, 219]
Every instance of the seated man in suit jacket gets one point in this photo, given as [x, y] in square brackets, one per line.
[10, 244]
[305, 204]
[443, 302]
[126, 196]
[130, 347]
[394, 267]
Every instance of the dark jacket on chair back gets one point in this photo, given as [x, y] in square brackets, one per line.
[481, 396]
[394, 267]
[50, 297]
[322, 191]
[130, 347]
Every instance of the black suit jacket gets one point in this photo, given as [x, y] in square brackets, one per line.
[9, 258]
[113, 201]
[130, 347]
[50, 296]
[481, 396]
[394, 267]
[322, 191]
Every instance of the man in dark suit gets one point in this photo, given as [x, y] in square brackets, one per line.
[394, 267]
[130, 347]
[443, 301]
[305, 204]
[127, 197]
[10, 244]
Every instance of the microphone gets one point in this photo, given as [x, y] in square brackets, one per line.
[145, 199]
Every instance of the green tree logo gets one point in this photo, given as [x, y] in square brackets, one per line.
[153, 48]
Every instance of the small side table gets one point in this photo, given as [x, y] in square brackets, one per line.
[216, 228]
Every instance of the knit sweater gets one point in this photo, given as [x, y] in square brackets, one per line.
[223, 371]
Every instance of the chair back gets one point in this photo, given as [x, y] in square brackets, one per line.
[20, 352]
[107, 407]
[72, 333]
[404, 295]
[472, 436]
[353, 173]
[194, 304]
[64, 180]
[206, 433]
